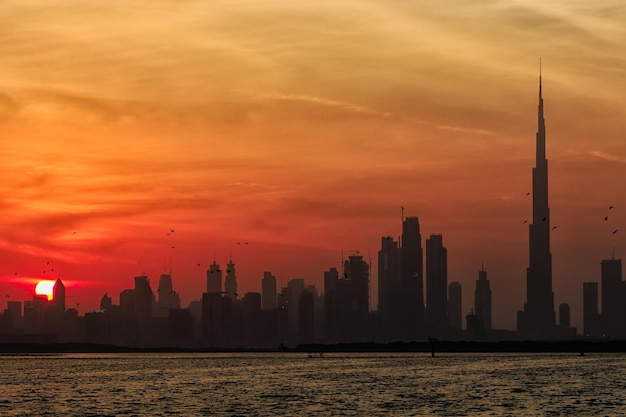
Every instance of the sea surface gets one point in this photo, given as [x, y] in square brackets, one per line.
[293, 384]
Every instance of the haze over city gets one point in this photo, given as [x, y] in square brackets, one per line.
[139, 138]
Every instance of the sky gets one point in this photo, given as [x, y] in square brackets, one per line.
[301, 129]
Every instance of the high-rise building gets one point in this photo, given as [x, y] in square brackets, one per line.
[436, 285]
[538, 318]
[591, 317]
[611, 279]
[482, 300]
[292, 293]
[357, 271]
[455, 306]
[214, 278]
[167, 299]
[564, 316]
[58, 296]
[230, 282]
[388, 275]
[306, 317]
[106, 302]
[331, 306]
[128, 303]
[268, 291]
[412, 275]
[15, 310]
[144, 297]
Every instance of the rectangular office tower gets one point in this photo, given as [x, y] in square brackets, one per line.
[612, 298]
[436, 286]
[591, 318]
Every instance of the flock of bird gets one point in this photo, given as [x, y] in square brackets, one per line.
[606, 218]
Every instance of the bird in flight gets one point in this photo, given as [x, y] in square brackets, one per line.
[606, 218]
[525, 221]
[611, 207]
[615, 231]
[554, 227]
[172, 230]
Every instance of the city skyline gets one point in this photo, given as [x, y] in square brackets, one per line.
[228, 131]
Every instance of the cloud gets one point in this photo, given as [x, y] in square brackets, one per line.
[608, 157]
[328, 102]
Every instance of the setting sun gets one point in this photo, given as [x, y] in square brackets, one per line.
[45, 288]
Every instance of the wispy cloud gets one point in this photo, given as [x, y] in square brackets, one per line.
[322, 101]
[608, 157]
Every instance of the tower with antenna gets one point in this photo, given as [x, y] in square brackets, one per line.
[537, 321]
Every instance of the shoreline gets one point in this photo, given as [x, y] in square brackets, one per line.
[579, 347]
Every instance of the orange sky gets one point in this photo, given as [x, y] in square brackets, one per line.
[301, 129]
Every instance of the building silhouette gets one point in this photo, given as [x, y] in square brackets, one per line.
[167, 298]
[482, 299]
[455, 308]
[58, 297]
[537, 321]
[409, 296]
[436, 286]
[230, 282]
[389, 285]
[612, 298]
[346, 302]
[291, 296]
[144, 298]
[306, 317]
[268, 291]
[214, 278]
[591, 316]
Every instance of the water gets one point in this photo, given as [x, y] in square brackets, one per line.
[294, 385]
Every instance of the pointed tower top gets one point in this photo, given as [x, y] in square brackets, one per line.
[540, 77]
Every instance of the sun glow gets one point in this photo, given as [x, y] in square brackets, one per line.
[45, 288]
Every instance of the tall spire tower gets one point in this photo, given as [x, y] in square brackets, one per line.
[538, 318]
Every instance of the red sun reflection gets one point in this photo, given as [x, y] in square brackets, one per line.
[45, 288]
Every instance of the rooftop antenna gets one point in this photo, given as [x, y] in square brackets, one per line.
[613, 255]
[539, 77]
[170, 265]
[402, 208]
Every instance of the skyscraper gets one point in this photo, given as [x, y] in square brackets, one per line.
[230, 282]
[612, 307]
[408, 299]
[436, 285]
[167, 299]
[214, 278]
[591, 317]
[482, 299]
[58, 296]
[455, 306]
[268, 291]
[538, 318]
[388, 275]
[144, 297]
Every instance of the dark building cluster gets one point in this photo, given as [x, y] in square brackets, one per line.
[415, 300]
